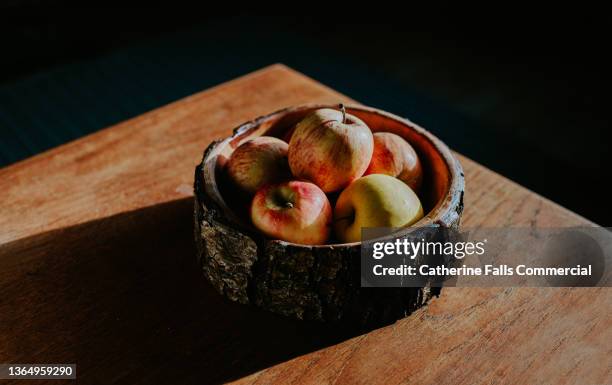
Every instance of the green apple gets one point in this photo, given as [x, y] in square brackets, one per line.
[375, 200]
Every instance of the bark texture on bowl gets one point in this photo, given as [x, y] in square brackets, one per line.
[319, 283]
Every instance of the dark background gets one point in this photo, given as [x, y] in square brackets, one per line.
[527, 96]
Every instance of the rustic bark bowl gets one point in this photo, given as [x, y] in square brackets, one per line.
[319, 283]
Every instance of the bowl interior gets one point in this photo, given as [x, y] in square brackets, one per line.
[436, 178]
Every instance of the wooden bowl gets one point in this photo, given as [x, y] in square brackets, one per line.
[311, 282]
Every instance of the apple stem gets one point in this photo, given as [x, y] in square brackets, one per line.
[289, 205]
[343, 110]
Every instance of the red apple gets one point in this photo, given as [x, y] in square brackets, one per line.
[330, 148]
[257, 162]
[294, 211]
[395, 157]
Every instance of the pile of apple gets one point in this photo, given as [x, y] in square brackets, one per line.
[378, 176]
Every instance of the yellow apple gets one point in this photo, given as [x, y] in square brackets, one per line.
[375, 200]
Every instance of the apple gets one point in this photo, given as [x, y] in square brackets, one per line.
[330, 148]
[257, 162]
[375, 200]
[395, 157]
[293, 211]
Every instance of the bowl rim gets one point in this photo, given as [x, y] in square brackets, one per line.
[443, 214]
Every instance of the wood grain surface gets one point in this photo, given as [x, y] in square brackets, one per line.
[95, 269]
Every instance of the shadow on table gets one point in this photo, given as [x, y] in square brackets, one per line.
[121, 298]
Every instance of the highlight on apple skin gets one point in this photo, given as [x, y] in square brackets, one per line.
[375, 200]
[293, 211]
[257, 162]
[394, 156]
[330, 148]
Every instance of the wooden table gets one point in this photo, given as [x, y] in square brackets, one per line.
[95, 251]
